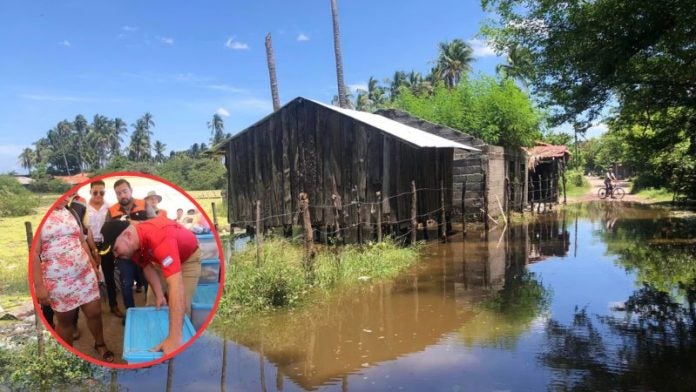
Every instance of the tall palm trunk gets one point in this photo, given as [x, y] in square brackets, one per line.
[342, 99]
[272, 72]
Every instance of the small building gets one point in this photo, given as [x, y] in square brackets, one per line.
[547, 165]
[470, 168]
[344, 160]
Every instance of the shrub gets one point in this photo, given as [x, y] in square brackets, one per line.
[14, 199]
[576, 178]
[46, 185]
[23, 369]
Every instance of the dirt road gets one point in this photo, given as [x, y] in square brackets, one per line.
[595, 184]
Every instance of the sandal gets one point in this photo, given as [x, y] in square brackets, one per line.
[107, 356]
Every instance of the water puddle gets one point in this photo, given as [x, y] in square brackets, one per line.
[599, 296]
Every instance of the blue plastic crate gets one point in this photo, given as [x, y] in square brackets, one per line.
[208, 246]
[202, 303]
[146, 328]
[210, 271]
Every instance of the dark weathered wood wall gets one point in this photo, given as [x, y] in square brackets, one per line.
[305, 147]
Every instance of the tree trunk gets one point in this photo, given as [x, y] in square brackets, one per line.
[272, 72]
[342, 98]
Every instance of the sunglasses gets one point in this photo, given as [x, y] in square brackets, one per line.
[101, 193]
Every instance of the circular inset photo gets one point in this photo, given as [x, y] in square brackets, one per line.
[126, 269]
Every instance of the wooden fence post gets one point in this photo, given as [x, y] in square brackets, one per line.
[485, 202]
[37, 323]
[259, 233]
[507, 197]
[564, 184]
[307, 225]
[443, 216]
[337, 204]
[414, 213]
[541, 193]
[531, 200]
[379, 216]
[215, 222]
[464, 208]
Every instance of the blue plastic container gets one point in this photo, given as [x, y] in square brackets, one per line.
[208, 246]
[146, 328]
[202, 303]
[210, 271]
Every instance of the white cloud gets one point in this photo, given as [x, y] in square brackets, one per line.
[167, 40]
[236, 45]
[597, 130]
[55, 98]
[302, 37]
[129, 29]
[357, 86]
[222, 112]
[225, 87]
[65, 43]
[481, 48]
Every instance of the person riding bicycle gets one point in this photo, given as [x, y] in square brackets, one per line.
[608, 178]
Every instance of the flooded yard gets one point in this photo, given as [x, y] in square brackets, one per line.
[599, 296]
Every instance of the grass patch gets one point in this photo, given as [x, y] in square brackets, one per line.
[23, 369]
[654, 194]
[206, 198]
[284, 280]
[14, 287]
[577, 184]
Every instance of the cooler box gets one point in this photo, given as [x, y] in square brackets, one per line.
[145, 329]
[208, 246]
[202, 303]
[210, 271]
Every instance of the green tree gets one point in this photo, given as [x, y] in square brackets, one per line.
[27, 158]
[498, 112]
[159, 148]
[454, 59]
[217, 129]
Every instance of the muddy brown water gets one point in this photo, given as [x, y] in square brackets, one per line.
[597, 297]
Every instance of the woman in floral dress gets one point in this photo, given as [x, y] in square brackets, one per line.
[65, 279]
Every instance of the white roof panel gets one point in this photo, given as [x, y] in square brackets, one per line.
[404, 132]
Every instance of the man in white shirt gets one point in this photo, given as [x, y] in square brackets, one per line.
[608, 179]
[97, 209]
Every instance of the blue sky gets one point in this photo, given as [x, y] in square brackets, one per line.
[184, 60]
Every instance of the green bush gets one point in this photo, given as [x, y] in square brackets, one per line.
[15, 200]
[576, 178]
[46, 185]
[23, 369]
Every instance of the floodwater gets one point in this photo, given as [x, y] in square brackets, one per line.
[598, 297]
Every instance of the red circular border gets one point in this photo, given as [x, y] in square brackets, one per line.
[164, 357]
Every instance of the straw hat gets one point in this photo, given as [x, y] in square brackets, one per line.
[153, 194]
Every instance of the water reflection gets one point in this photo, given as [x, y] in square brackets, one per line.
[516, 312]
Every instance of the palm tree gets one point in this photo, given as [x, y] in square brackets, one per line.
[159, 148]
[27, 159]
[80, 124]
[118, 128]
[342, 96]
[217, 129]
[455, 58]
[396, 83]
[519, 65]
[272, 72]
[375, 92]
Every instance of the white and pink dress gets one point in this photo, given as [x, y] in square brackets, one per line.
[68, 276]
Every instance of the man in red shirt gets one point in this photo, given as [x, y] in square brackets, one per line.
[171, 262]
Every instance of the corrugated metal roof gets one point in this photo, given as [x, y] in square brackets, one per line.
[404, 132]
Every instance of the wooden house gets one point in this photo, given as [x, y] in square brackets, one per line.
[334, 154]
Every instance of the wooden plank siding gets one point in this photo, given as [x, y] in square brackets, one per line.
[305, 147]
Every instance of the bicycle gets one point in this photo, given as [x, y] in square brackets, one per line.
[615, 193]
